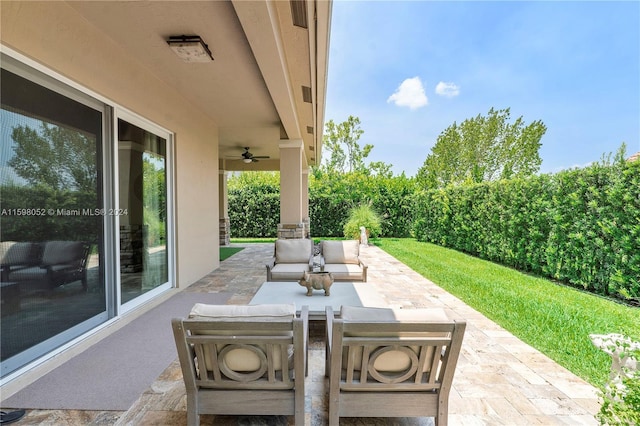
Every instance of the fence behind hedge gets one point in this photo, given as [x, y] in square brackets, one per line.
[579, 226]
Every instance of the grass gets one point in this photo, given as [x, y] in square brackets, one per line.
[252, 240]
[227, 252]
[554, 319]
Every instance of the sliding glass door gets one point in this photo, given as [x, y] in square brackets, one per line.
[86, 220]
[51, 231]
[142, 176]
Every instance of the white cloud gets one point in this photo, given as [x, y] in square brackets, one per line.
[410, 94]
[447, 89]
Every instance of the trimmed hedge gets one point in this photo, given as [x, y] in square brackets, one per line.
[581, 227]
[48, 224]
[331, 197]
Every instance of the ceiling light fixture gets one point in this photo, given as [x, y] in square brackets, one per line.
[247, 160]
[190, 48]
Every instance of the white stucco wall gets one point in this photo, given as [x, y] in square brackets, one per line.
[56, 36]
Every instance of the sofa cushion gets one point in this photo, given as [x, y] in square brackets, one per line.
[242, 359]
[344, 271]
[242, 312]
[288, 271]
[20, 253]
[63, 253]
[341, 251]
[358, 313]
[293, 251]
[33, 273]
[394, 360]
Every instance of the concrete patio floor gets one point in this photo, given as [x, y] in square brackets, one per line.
[499, 380]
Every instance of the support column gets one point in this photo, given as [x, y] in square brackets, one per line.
[223, 209]
[291, 190]
[305, 202]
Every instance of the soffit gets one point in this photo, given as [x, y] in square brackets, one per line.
[237, 89]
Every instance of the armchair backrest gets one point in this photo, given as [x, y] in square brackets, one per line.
[394, 350]
[341, 251]
[299, 250]
[19, 253]
[71, 253]
[240, 347]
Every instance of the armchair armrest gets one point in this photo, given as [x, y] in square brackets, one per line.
[270, 266]
[364, 270]
[304, 315]
[328, 339]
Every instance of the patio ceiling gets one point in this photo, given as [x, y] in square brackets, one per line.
[253, 89]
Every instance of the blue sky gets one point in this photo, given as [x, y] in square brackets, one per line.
[410, 69]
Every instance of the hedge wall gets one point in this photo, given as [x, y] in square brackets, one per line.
[580, 227]
[330, 199]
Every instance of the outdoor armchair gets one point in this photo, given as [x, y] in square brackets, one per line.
[243, 360]
[342, 259]
[391, 363]
[291, 259]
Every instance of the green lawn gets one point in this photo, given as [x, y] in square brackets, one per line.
[226, 252]
[555, 319]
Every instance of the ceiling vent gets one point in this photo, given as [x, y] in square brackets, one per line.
[306, 94]
[310, 130]
[299, 13]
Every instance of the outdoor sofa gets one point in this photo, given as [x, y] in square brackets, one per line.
[44, 265]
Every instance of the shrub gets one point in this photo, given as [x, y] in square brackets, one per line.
[363, 215]
[580, 226]
[621, 396]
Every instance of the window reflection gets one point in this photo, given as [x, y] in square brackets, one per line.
[143, 224]
[50, 227]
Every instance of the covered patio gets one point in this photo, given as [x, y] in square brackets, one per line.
[499, 379]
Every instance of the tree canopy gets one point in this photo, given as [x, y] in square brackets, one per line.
[343, 153]
[483, 148]
[55, 156]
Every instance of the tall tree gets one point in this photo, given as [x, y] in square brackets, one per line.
[483, 148]
[340, 141]
[54, 156]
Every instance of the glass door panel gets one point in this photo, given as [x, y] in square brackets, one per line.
[142, 170]
[51, 227]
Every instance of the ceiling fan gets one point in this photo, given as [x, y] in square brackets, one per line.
[248, 157]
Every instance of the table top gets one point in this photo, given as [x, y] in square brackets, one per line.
[342, 293]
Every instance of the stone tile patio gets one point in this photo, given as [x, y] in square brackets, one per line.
[499, 379]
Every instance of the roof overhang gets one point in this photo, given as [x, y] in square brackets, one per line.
[264, 66]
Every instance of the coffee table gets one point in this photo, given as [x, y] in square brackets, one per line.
[342, 293]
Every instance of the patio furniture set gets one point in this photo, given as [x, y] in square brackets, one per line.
[380, 362]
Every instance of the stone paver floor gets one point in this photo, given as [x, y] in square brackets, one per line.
[499, 379]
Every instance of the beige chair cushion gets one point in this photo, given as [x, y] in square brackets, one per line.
[341, 251]
[288, 271]
[242, 312]
[293, 251]
[393, 360]
[244, 359]
[355, 313]
[344, 271]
